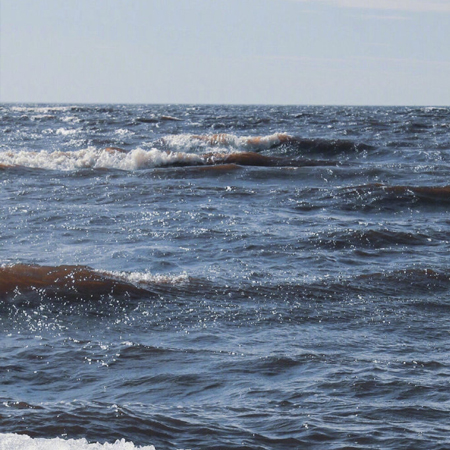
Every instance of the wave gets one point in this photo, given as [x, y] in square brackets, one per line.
[67, 131]
[154, 119]
[183, 142]
[433, 193]
[186, 142]
[23, 282]
[410, 275]
[376, 193]
[13, 441]
[42, 109]
[91, 158]
[256, 159]
[117, 158]
[372, 238]
[414, 282]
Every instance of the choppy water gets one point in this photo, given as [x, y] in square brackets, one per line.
[224, 277]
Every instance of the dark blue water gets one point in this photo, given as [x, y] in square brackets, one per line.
[225, 277]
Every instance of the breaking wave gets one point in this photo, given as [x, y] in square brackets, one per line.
[116, 158]
[185, 150]
[91, 158]
[187, 142]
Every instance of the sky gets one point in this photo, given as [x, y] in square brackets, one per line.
[329, 52]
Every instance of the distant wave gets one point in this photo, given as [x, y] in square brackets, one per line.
[12, 441]
[156, 119]
[186, 142]
[42, 109]
[24, 282]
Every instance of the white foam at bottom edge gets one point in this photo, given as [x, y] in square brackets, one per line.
[12, 441]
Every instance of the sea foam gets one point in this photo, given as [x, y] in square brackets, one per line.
[11, 441]
[178, 150]
[145, 278]
[210, 142]
[92, 158]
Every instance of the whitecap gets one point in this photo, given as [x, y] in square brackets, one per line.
[145, 278]
[97, 159]
[40, 109]
[221, 141]
[66, 132]
[123, 132]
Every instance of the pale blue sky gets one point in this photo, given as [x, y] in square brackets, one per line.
[347, 52]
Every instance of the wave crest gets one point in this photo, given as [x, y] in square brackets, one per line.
[23, 281]
[231, 142]
[91, 158]
[116, 158]
[189, 142]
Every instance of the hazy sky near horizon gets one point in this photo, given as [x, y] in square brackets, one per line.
[347, 52]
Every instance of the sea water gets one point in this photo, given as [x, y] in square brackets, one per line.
[224, 277]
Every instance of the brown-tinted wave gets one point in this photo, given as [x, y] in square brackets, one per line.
[258, 160]
[328, 147]
[116, 158]
[64, 282]
[241, 158]
[376, 193]
[434, 193]
[305, 145]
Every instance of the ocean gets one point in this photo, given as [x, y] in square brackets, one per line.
[224, 277]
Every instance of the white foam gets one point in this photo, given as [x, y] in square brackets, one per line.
[40, 109]
[97, 159]
[10, 441]
[70, 119]
[123, 132]
[66, 132]
[145, 278]
[188, 142]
